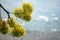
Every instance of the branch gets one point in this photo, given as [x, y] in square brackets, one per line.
[5, 10]
[0, 14]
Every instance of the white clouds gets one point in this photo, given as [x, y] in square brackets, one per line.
[53, 14]
[27, 0]
[56, 18]
[53, 30]
[46, 10]
[43, 18]
[23, 23]
[5, 19]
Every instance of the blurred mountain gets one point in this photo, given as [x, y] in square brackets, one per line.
[34, 35]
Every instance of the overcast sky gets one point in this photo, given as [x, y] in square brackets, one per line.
[46, 13]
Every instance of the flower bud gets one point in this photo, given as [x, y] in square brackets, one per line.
[18, 12]
[27, 17]
[5, 27]
[18, 31]
[28, 8]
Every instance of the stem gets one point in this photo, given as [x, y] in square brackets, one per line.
[5, 11]
[0, 14]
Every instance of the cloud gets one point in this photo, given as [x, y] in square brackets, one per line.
[46, 10]
[44, 18]
[56, 18]
[23, 23]
[27, 0]
[53, 14]
[53, 30]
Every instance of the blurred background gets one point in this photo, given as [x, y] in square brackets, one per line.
[45, 22]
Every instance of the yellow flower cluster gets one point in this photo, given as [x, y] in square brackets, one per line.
[4, 27]
[25, 12]
[28, 8]
[17, 29]
[0, 25]
[11, 22]
[18, 12]
[27, 17]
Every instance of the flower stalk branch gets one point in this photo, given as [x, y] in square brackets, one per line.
[5, 10]
[0, 14]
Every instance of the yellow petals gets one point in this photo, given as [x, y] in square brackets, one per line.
[15, 28]
[18, 12]
[28, 7]
[18, 31]
[27, 17]
[4, 27]
[0, 25]
[11, 22]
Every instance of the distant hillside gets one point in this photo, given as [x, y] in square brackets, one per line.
[34, 35]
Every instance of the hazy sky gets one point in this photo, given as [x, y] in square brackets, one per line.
[46, 14]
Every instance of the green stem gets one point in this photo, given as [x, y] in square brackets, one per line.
[5, 10]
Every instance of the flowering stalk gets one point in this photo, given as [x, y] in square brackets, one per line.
[5, 10]
[0, 14]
